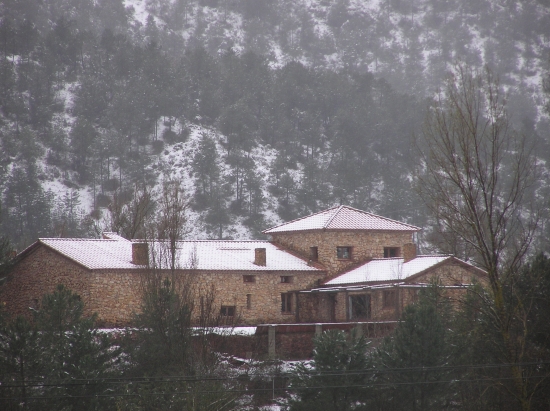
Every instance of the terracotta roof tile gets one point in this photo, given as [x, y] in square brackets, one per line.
[388, 269]
[342, 218]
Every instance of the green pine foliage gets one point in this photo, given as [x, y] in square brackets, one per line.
[104, 99]
[487, 381]
[338, 376]
[412, 361]
[59, 360]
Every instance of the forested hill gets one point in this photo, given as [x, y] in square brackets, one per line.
[265, 110]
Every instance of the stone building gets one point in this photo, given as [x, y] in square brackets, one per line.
[338, 265]
[373, 270]
[380, 289]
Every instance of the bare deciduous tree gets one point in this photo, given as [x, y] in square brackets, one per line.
[128, 218]
[479, 179]
[478, 176]
[172, 216]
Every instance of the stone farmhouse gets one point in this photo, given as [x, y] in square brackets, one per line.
[338, 265]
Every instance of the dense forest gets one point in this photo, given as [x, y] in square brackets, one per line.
[263, 110]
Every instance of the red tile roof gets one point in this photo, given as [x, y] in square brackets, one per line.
[342, 218]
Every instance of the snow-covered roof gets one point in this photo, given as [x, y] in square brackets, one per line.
[388, 269]
[235, 255]
[342, 218]
[202, 255]
[92, 253]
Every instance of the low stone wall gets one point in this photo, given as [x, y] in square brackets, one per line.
[296, 341]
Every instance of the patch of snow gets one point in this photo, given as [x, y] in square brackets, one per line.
[140, 10]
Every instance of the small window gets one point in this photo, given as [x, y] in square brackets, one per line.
[313, 253]
[286, 303]
[391, 252]
[390, 298]
[227, 311]
[249, 278]
[343, 253]
[249, 301]
[359, 306]
[286, 279]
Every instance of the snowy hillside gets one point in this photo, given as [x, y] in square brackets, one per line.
[263, 110]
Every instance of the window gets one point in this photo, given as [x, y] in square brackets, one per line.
[313, 253]
[359, 307]
[286, 303]
[390, 298]
[249, 278]
[249, 301]
[286, 279]
[390, 252]
[343, 253]
[227, 311]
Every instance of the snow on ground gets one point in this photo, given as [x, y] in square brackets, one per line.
[227, 331]
[140, 12]
[228, 25]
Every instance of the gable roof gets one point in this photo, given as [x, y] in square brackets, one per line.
[342, 218]
[235, 255]
[390, 269]
[116, 253]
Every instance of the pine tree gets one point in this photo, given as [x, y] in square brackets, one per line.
[76, 359]
[338, 377]
[409, 360]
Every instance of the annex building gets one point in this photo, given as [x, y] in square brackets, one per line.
[339, 265]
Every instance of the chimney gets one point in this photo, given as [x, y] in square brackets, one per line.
[140, 253]
[409, 252]
[260, 256]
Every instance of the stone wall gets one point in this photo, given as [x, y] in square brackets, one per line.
[365, 245]
[453, 273]
[38, 274]
[316, 307]
[115, 295]
[264, 303]
[296, 341]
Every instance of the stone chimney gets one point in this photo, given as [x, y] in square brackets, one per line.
[140, 253]
[260, 256]
[409, 252]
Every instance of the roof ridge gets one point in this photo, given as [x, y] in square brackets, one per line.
[301, 218]
[74, 239]
[209, 241]
[342, 217]
[333, 216]
[418, 256]
[380, 216]
[434, 255]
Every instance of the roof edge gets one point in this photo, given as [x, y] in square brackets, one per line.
[339, 208]
[298, 219]
[23, 254]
